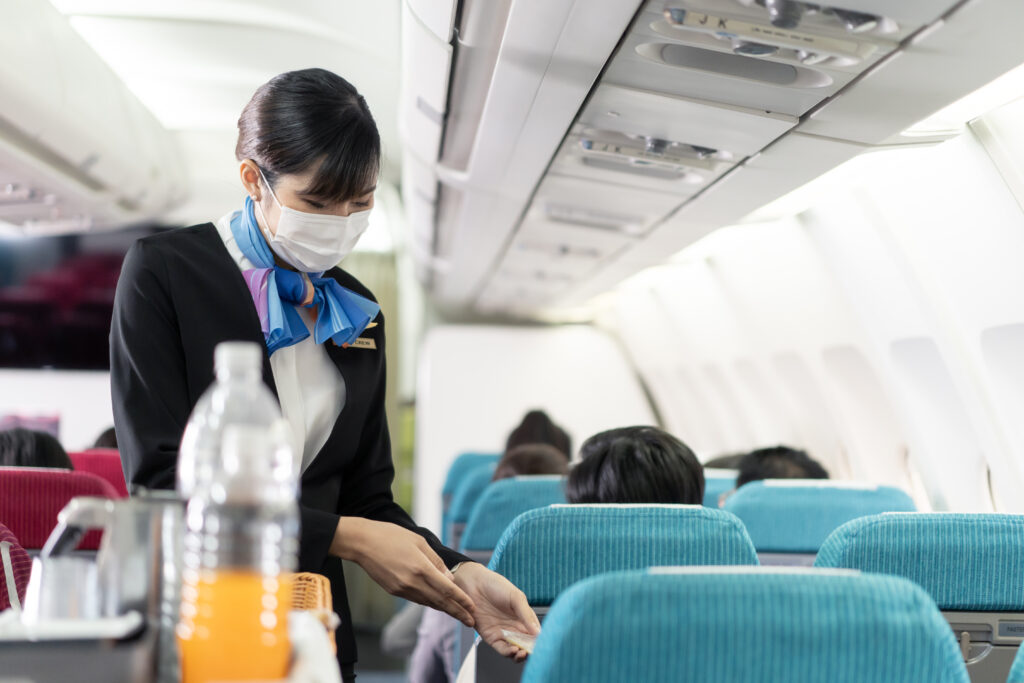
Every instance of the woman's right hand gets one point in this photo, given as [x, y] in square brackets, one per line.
[402, 563]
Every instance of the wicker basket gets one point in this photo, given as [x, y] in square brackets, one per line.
[312, 592]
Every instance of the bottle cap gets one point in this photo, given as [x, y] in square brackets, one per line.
[237, 357]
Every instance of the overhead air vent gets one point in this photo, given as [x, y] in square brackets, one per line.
[590, 218]
[789, 14]
[733, 65]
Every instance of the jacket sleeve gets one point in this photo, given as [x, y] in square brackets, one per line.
[366, 491]
[148, 383]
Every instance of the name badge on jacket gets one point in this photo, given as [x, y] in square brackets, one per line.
[363, 343]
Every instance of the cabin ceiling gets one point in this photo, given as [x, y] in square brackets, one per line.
[551, 151]
[195, 63]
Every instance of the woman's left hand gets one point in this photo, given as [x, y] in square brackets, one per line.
[498, 605]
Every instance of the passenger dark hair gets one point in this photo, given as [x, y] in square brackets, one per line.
[636, 465]
[725, 462]
[25, 448]
[108, 439]
[531, 458]
[778, 462]
[312, 118]
[537, 427]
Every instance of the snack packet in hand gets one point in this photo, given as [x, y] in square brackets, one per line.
[523, 641]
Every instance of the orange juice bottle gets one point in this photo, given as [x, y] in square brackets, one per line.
[234, 627]
[240, 545]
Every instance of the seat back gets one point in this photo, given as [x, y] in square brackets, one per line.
[546, 550]
[457, 470]
[753, 625]
[473, 483]
[30, 499]
[500, 503]
[1017, 671]
[717, 482]
[972, 565]
[15, 568]
[796, 516]
[105, 463]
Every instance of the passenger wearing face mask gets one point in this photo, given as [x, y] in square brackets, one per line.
[309, 155]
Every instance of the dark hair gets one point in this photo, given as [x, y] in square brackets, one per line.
[636, 465]
[108, 439]
[537, 427]
[778, 462]
[303, 118]
[25, 448]
[726, 462]
[531, 458]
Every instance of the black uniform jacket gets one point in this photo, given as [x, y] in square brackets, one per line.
[180, 294]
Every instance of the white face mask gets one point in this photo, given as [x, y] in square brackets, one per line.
[314, 242]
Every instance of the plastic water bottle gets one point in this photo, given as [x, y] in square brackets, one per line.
[241, 529]
[238, 397]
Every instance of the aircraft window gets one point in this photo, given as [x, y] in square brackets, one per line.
[1004, 363]
[942, 426]
[871, 430]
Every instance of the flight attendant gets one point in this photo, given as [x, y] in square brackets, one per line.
[309, 155]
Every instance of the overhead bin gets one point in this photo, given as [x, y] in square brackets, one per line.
[438, 16]
[426, 66]
[978, 43]
[74, 141]
[550, 55]
[673, 52]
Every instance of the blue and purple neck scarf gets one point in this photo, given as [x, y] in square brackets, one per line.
[341, 314]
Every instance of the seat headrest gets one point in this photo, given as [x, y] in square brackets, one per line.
[964, 561]
[468, 491]
[462, 464]
[796, 516]
[503, 501]
[793, 626]
[546, 550]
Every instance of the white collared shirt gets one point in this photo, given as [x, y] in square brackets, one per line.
[309, 386]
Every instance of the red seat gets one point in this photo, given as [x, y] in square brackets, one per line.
[105, 463]
[21, 567]
[30, 499]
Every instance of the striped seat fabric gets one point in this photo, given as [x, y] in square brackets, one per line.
[1017, 672]
[502, 502]
[753, 626]
[473, 483]
[15, 568]
[964, 561]
[797, 515]
[458, 469]
[717, 482]
[30, 499]
[545, 551]
[105, 463]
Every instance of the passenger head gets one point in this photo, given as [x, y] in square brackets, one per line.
[778, 462]
[312, 137]
[108, 439]
[25, 448]
[636, 465]
[537, 427]
[530, 459]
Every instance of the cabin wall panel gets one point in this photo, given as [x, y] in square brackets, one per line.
[476, 382]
